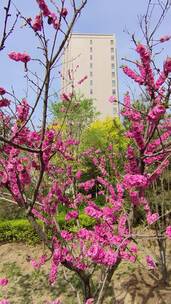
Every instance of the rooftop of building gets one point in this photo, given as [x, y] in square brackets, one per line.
[93, 35]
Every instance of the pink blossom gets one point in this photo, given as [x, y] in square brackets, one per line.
[134, 195]
[135, 180]
[160, 80]
[3, 281]
[133, 248]
[144, 53]
[122, 224]
[78, 174]
[110, 258]
[66, 235]
[112, 99]
[4, 102]
[165, 38]
[64, 12]
[88, 185]
[90, 301]
[167, 66]
[4, 301]
[71, 215]
[130, 73]
[24, 57]
[37, 24]
[156, 112]
[41, 262]
[168, 232]
[150, 262]
[152, 218]
[53, 273]
[2, 91]
[43, 7]
[23, 110]
[95, 213]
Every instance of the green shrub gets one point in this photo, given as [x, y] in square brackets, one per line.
[18, 231]
[86, 221]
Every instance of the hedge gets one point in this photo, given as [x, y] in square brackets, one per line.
[20, 230]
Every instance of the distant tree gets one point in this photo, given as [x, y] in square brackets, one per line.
[73, 113]
[103, 132]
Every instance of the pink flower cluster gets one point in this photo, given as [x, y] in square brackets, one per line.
[150, 262]
[112, 99]
[3, 281]
[146, 70]
[90, 301]
[2, 91]
[167, 66]
[37, 23]
[99, 255]
[87, 185]
[160, 81]
[41, 262]
[23, 110]
[165, 38]
[130, 73]
[71, 215]
[168, 232]
[52, 18]
[136, 132]
[152, 218]
[23, 57]
[129, 111]
[156, 112]
[135, 180]
[93, 211]
[4, 301]
[4, 102]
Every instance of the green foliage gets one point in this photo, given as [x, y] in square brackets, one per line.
[21, 230]
[74, 116]
[18, 231]
[86, 221]
[103, 132]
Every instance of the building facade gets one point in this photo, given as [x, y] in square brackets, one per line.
[92, 57]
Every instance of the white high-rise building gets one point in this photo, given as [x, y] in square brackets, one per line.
[92, 56]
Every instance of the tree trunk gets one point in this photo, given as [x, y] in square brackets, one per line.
[105, 284]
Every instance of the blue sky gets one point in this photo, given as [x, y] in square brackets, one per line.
[99, 16]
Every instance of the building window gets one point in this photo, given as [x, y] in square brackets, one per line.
[113, 74]
[91, 82]
[91, 65]
[91, 57]
[112, 50]
[113, 92]
[113, 83]
[113, 65]
[91, 92]
[91, 49]
[111, 42]
[112, 58]
[91, 74]
[91, 42]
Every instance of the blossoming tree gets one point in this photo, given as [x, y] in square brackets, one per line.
[31, 178]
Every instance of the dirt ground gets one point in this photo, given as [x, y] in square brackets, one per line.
[131, 284]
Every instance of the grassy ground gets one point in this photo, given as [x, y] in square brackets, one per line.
[131, 284]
